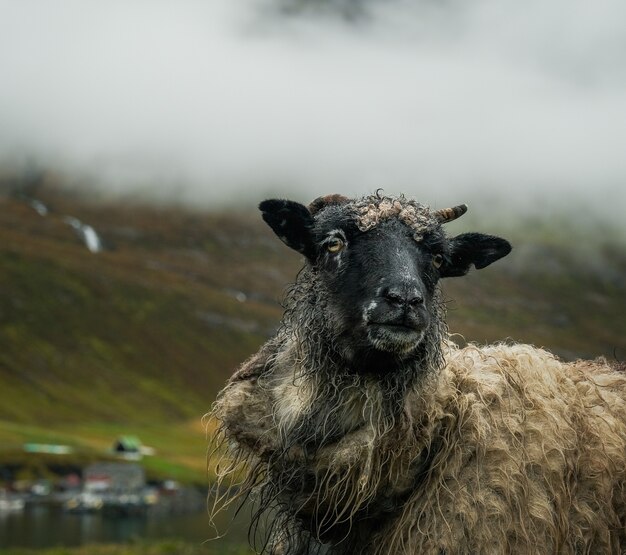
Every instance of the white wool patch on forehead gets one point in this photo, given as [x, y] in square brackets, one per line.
[372, 210]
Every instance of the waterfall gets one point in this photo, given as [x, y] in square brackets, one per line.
[39, 207]
[87, 233]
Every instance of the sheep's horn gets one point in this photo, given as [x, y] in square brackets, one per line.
[322, 202]
[446, 215]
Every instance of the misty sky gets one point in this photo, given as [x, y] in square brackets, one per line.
[445, 100]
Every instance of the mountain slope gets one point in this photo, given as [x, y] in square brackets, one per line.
[148, 330]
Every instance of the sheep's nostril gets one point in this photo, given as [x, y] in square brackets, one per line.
[403, 298]
[394, 298]
[416, 300]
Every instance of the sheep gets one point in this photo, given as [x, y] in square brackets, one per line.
[360, 427]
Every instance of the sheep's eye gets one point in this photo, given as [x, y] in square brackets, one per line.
[335, 245]
[437, 260]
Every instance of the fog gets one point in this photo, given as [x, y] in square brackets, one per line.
[222, 100]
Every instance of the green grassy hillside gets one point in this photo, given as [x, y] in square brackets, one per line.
[135, 339]
[140, 337]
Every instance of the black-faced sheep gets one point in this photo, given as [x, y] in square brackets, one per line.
[361, 429]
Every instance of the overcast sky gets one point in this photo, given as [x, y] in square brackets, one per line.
[445, 100]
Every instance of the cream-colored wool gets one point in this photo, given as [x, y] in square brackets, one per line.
[527, 454]
[372, 210]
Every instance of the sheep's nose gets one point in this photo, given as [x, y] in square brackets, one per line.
[403, 295]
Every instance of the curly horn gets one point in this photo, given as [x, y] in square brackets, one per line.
[446, 215]
[322, 202]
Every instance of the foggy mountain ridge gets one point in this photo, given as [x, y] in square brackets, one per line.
[547, 243]
[211, 103]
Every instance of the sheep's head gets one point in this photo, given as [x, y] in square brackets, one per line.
[379, 260]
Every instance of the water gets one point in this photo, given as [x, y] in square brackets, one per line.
[40, 526]
[87, 234]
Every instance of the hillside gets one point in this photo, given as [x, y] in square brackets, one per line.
[135, 339]
[140, 337]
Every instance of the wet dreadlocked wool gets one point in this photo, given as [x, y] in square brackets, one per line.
[505, 450]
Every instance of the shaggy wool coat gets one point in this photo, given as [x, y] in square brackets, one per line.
[506, 449]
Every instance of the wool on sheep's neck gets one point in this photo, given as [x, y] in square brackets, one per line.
[313, 357]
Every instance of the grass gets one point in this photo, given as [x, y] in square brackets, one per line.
[170, 547]
[180, 447]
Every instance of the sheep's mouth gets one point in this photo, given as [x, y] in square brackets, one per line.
[398, 338]
[395, 327]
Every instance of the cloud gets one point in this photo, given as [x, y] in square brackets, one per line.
[216, 101]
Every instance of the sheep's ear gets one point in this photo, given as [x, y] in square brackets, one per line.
[473, 248]
[292, 222]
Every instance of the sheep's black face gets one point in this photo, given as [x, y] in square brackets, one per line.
[380, 282]
[380, 279]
